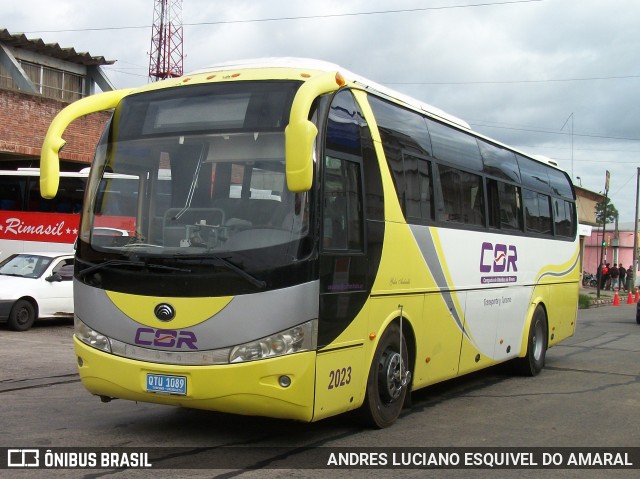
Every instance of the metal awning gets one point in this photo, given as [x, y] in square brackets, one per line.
[54, 50]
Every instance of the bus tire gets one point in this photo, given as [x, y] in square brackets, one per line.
[386, 389]
[22, 316]
[537, 344]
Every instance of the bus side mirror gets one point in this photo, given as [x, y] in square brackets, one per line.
[299, 140]
[300, 133]
[53, 141]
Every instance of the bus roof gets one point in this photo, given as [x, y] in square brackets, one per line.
[323, 66]
[307, 64]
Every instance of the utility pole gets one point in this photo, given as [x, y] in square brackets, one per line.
[604, 226]
[565, 124]
[635, 234]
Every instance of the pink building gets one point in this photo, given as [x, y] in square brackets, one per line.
[618, 249]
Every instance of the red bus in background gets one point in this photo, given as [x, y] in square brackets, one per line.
[30, 223]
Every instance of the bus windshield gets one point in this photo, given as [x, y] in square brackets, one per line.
[208, 161]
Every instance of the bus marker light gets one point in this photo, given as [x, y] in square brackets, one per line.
[427, 359]
[340, 79]
[305, 75]
[372, 336]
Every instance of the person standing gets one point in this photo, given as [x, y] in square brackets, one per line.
[623, 277]
[615, 275]
[630, 285]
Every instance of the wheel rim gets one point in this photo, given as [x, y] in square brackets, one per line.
[23, 316]
[390, 376]
[537, 341]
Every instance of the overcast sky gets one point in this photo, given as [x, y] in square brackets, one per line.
[560, 78]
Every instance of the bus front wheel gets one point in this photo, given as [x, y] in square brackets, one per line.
[537, 344]
[388, 381]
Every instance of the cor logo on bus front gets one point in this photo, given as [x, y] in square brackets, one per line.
[164, 312]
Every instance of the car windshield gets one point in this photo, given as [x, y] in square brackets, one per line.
[25, 266]
[192, 172]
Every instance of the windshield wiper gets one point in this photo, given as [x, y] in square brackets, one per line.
[120, 262]
[248, 276]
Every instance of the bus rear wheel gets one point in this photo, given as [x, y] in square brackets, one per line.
[388, 381]
[537, 344]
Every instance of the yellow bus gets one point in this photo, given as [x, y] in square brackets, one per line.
[326, 244]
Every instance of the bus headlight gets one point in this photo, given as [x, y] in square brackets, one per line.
[90, 337]
[303, 337]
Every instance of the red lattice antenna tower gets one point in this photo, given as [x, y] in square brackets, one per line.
[166, 58]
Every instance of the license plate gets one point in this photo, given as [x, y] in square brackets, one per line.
[162, 383]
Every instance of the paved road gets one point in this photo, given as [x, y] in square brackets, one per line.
[588, 396]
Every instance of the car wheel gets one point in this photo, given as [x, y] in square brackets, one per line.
[22, 316]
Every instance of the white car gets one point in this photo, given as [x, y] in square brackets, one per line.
[35, 285]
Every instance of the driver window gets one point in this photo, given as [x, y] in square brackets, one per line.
[342, 226]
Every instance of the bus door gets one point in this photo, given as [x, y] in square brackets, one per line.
[344, 279]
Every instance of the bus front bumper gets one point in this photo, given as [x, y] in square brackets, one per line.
[251, 388]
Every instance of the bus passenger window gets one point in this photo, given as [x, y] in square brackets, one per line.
[537, 212]
[462, 196]
[505, 205]
[9, 197]
[563, 216]
[418, 188]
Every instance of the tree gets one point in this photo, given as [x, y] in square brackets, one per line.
[612, 212]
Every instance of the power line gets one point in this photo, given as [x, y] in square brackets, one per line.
[119, 70]
[302, 17]
[624, 184]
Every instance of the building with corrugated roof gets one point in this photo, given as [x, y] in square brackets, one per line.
[37, 80]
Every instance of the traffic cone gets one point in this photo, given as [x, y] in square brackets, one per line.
[637, 298]
[616, 299]
[630, 298]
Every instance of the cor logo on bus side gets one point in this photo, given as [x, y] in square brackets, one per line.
[498, 258]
